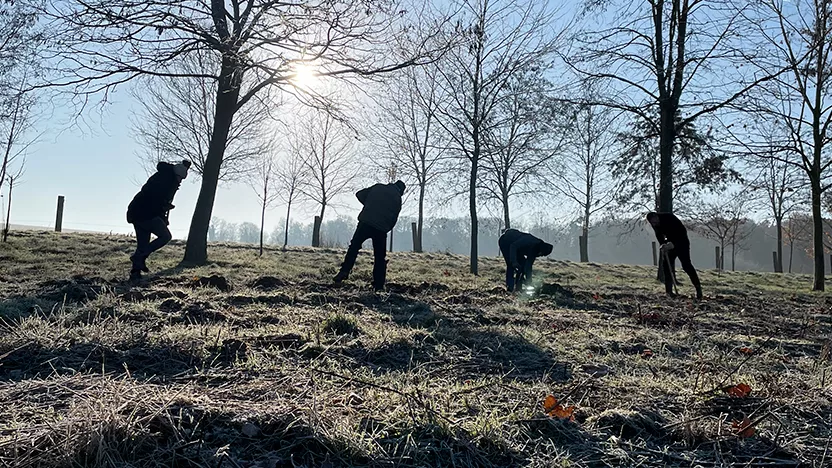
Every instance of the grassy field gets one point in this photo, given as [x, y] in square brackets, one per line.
[259, 362]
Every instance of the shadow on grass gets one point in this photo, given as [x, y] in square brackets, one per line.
[156, 363]
[469, 350]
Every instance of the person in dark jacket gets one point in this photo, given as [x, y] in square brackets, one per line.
[148, 212]
[382, 204]
[673, 238]
[520, 249]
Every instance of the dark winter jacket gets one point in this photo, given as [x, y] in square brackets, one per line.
[155, 198]
[382, 204]
[514, 244]
[670, 229]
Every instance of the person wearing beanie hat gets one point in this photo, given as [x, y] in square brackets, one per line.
[148, 212]
[382, 204]
[519, 250]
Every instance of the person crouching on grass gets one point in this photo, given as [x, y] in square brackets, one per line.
[673, 238]
[519, 250]
[148, 212]
[382, 204]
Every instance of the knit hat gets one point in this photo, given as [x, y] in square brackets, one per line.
[181, 169]
[400, 185]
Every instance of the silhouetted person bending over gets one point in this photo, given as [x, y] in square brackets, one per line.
[148, 212]
[519, 250]
[673, 237]
[382, 204]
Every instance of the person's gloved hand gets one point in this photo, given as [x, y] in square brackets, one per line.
[666, 247]
[517, 266]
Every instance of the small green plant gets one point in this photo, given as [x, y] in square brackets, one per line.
[340, 324]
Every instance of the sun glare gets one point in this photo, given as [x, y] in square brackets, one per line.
[304, 75]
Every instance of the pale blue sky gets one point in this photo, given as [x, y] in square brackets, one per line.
[97, 169]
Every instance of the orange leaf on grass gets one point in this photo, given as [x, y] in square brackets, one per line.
[746, 350]
[556, 410]
[740, 390]
[648, 353]
[743, 428]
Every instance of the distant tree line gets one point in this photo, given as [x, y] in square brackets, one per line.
[613, 241]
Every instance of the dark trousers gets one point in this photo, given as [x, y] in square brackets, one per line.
[144, 247]
[682, 252]
[515, 277]
[362, 233]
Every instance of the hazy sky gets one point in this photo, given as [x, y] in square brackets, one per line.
[98, 170]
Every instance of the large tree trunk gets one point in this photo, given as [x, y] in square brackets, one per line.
[316, 229]
[733, 257]
[421, 220]
[584, 247]
[791, 254]
[8, 212]
[262, 222]
[817, 235]
[196, 249]
[506, 214]
[666, 139]
[286, 228]
[778, 221]
[472, 205]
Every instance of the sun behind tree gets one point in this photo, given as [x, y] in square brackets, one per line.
[305, 75]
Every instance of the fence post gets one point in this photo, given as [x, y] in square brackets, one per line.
[655, 255]
[718, 265]
[316, 232]
[59, 216]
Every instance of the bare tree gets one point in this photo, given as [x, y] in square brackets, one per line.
[409, 134]
[780, 184]
[16, 129]
[176, 119]
[521, 136]
[583, 175]
[327, 151]
[668, 62]
[798, 38]
[263, 180]
[797, 229]
[248, 232]
[18, 37]
[14, 179]
[724, 221]
[257, 45]
[499, 39]
[290, 177]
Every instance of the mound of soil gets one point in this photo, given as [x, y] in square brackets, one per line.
[630, 424]
[422, 288]
[77, 289]
[554, 289]
[201, 312]
[213, 281]
[151, 295]
[267, 283]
